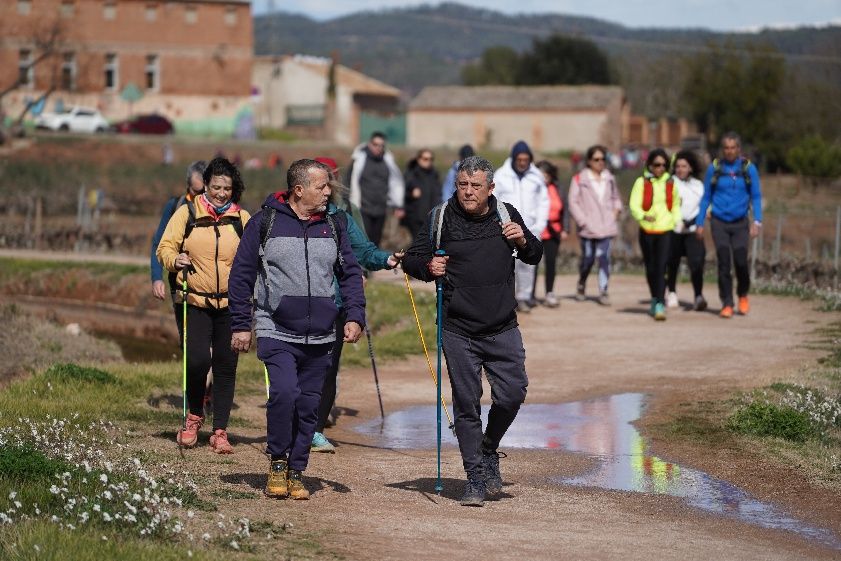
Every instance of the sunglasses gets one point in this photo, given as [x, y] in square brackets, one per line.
[596, 159]
[658, 165]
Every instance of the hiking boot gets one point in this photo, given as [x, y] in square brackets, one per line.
[321, 444]
[188, 435]
[604, 299]
[579, 293]
[490, 465]
[276, 486]
[295, 482]
[744, 305]
[219, 442]
[700, 303]
[474, 491]
[671, 300]
[659, 312]
[523, 307]
[551, 301]
[726, 312]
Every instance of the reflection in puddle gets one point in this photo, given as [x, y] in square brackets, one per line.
[602, 428]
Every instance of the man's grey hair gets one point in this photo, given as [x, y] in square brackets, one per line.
[196, 167]
[731, 135]
[299, 172]
[472, 164]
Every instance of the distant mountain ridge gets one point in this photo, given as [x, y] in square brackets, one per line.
[427, 45]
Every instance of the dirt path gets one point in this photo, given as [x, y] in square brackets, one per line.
[375, 503]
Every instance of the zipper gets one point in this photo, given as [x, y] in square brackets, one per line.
[309, 288]
[216, 261]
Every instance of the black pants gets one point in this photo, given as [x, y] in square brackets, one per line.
[550, 258]
[328, 391]
[655, 254]
[693, 249]
[374, 227]
[206, 328]
[731, 237]
[503, 358]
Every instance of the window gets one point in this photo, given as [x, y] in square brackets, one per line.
[151, 12]
[24, 7]
[152, 72]
[230, 16]
[68, 8]
[25, 71]
[109, 11]
[68, 72]
[111, 72]
[191, 15]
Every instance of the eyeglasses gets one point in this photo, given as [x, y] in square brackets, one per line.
[658, 165]
[596, 159]
[378, 144]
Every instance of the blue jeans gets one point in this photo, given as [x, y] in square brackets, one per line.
[593, 249]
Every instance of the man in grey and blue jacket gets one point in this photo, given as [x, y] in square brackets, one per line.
[287, 258]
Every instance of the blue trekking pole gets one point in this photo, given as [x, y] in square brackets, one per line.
[439, 289]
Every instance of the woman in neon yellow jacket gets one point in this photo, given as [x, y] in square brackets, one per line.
[655, 204]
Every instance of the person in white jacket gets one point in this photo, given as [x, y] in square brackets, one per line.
[376, 185]
[520, 183]
[685, 169]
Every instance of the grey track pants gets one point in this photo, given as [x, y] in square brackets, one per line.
[503, 358]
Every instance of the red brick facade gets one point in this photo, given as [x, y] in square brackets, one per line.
[165, 47]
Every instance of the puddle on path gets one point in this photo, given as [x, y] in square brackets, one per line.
[602, 428]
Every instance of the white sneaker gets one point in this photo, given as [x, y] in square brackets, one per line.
[671, 300]
[551, 301]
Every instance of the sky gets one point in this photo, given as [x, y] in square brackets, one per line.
[717, 15]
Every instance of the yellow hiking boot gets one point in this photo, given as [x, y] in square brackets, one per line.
[276, 486]
[296, 486]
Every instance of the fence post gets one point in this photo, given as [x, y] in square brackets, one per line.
[837, 243]
[779, 238]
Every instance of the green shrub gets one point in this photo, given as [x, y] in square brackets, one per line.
[23, 463]
[814, 157]
[766, 419]
[68, 372]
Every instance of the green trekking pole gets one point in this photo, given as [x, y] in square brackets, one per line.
[266, 372]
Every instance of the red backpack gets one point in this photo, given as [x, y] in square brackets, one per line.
[648, 193]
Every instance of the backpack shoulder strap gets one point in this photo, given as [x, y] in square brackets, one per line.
[436, 223]
[266, 223]
[331, 220]
[236, 222]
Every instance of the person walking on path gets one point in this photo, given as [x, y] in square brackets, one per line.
[520, 183]
[481, 236]
[422, 189]
[287, 260]
[200, 242]
[595, 205]
[731, 186]
[685, 170]
[376, 184]
[655, 204]
[195, 187]
[556, 230]
[448, 189]
[371, 258]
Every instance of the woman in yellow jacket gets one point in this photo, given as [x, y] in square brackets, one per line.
[655, 204]
[199, 243]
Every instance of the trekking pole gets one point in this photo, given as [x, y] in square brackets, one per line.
[425, 350]
[266, 372]
[374, 368]
[183, 359]
[439, 290]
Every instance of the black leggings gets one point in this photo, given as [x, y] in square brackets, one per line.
[328, 391]
[206, 328]
[550, 260]
[689, 245]
[655, 254]
[731, 237]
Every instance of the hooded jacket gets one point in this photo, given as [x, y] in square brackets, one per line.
[211, 250]
[596, 217]
[665, 219]
[527, 192]
[732, 198]
[291, 280]
[478, 292]
[393, 192]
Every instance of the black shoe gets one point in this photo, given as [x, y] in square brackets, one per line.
[474, 492]
[490, 465]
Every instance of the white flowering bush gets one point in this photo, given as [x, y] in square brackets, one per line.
[824, 412]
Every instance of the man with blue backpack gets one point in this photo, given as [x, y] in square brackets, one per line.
[481, 238]
[731, 186]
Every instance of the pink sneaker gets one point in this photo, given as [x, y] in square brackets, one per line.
[189, 435]
[219, 442]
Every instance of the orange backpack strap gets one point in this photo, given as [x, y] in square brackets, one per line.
[670, 189]
[647, 194]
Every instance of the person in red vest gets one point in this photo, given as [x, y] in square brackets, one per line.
[655, 204]
[556, 229]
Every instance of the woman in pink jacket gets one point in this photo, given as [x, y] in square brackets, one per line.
[595, 204]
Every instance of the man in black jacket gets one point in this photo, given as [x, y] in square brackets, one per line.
[480, 329]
